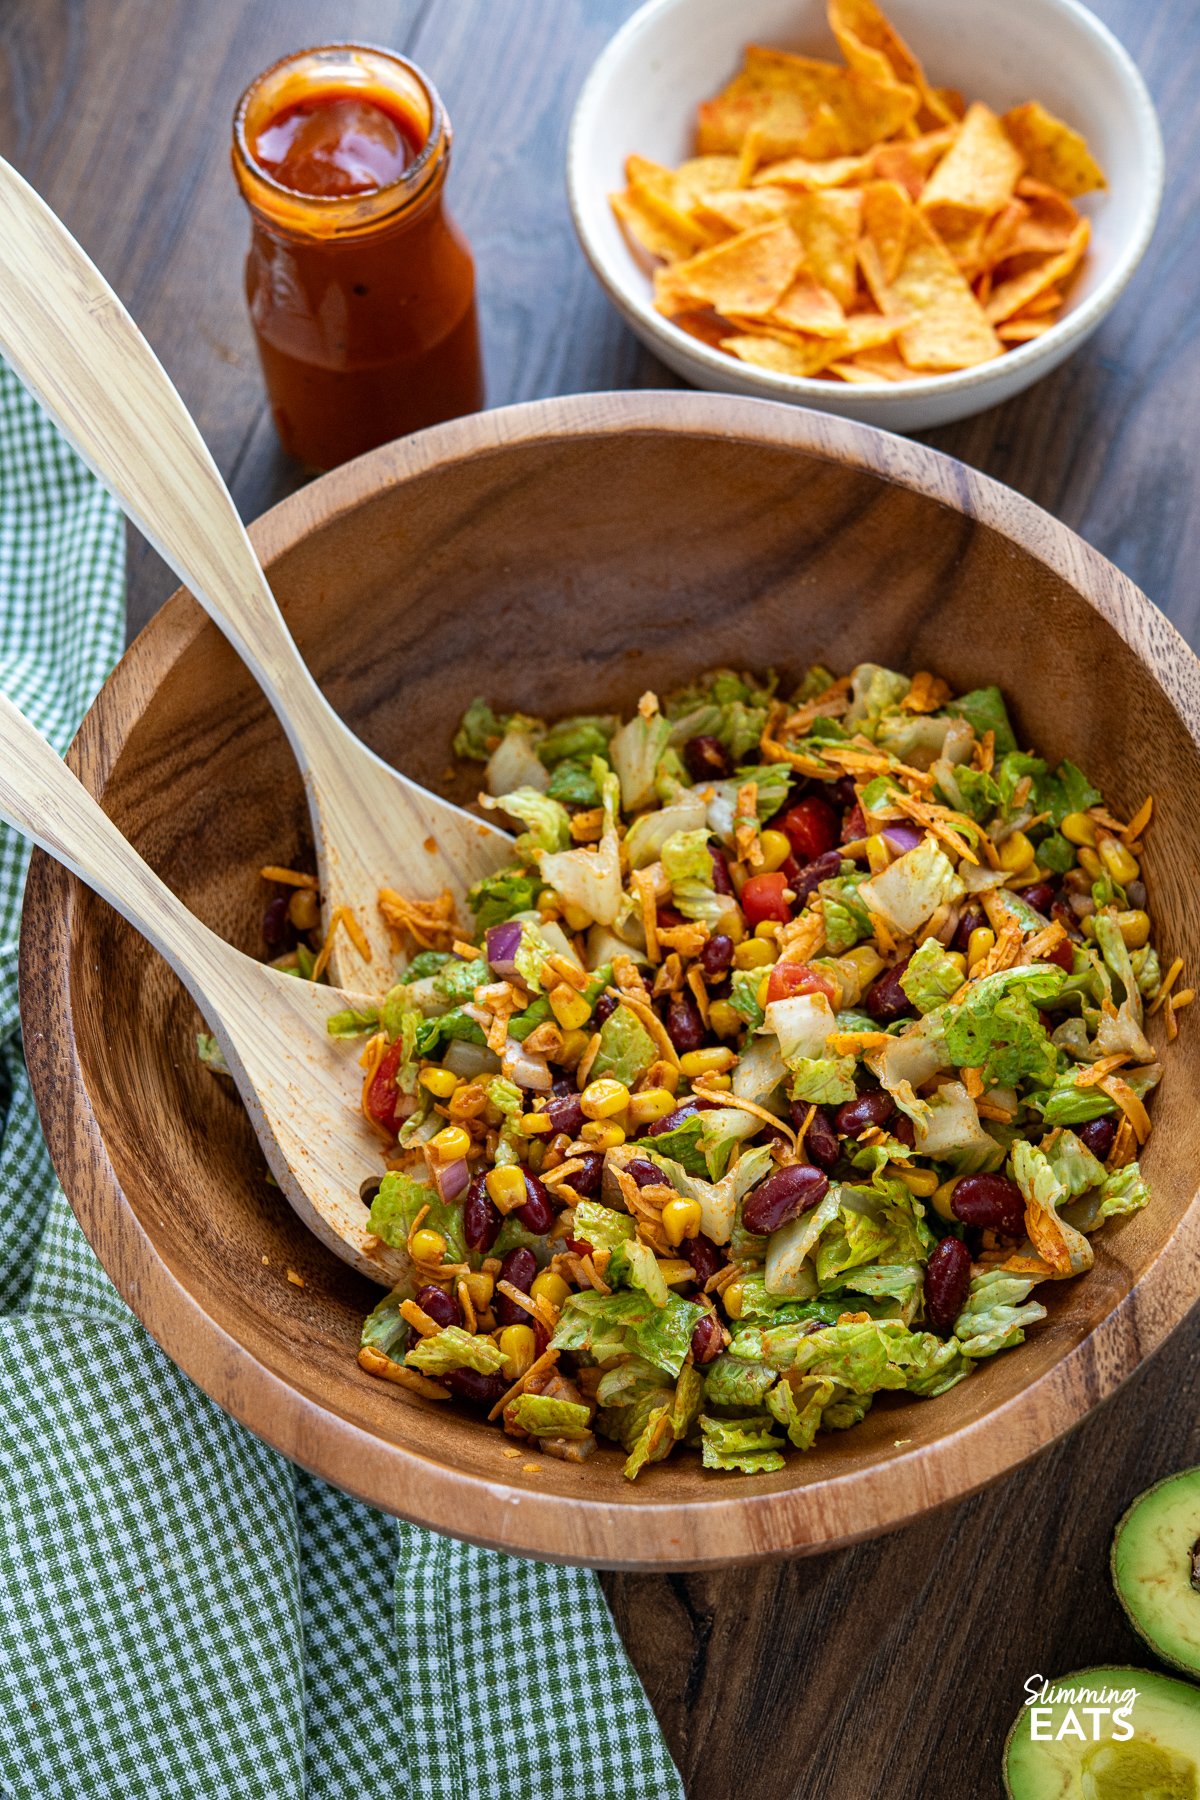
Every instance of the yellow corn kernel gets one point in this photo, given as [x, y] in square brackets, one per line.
[603, 1134]
[878, 853]
[674, 1270]
[921, 1182]
[440, 1082]
[763, 988]
[536, 1124]
[467, 1101]
[1029, 877]
[941, 1199]
[1016, 852]
[1078, 828]
[569, 1007]
[427, 1246]
[733, 1298]
[724, 1082]
[549, 1287]
[776, 849]
[664, 1074]
[1134, 928]
[1088, 926]
[864, 960]
[575, 918]
[519, 1347]
[680, 1219]
[451, 1143]
[481, 1287]
[981, 941]
[767, 929]
[723, 1019]
[304, 909]
[651, 1104]
[958, 959]
[601, 1099]
[754, 953]
[573, 1046]
[506, 1186]
[714, 1061]
[1121, 864]
[1089, 861]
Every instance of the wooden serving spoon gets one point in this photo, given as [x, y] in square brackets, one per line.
[300, 1087]
[76, 348]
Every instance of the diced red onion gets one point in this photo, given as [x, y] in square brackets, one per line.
[452, 1179]
[902, 837]
[503, 942]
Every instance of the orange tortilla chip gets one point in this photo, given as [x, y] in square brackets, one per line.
[801, 107]
[963, 230]
[980, 169]
[885, 221]
[745, 274]
[1013, 295]
[701, 175]
[802, 172]
[872, 45]
[1053, 153]
[883, 363]
[1049, 219]
[741, 209]
[827, 222]
[808, 356]
[657, 228]
[910, 163]
[947, 328]
[1021, 331]
[807, 306]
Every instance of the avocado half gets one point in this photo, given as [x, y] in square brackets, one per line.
[1092, 1760]
[1156, 1569]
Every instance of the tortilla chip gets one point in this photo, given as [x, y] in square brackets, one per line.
[947, 328]
[1049, 219]
[658, 229]
[963, 230]
[883, 363]
[741, 209]
[1053, 153]
[807, 306]
[1049, 301]
[801, 107]
[827, 223]
[802, 172]
[872, 45]
[808, 356]
[910, 163]
[886, 214]
[701, 175]
[1002, 231]
[745, 274]
[980, 169]
[1013, 295]
[1021, 331]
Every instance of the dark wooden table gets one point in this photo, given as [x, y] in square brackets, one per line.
[894, 1668]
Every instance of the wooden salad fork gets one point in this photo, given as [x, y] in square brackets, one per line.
[75, 347]
[300, 1086]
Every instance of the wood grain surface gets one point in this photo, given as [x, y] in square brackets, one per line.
[894, 1667]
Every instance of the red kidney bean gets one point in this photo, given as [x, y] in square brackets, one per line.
[685, 1027]
[277, 929]
[644, 1172]
[1040, 896]
[541, 1337]
[670, 916]
[854, 825]
[562, 1086]
[518, 1268]
[806, 880]
[866, 1109]
[783, 1196]
[537, 1214]
[566, 1114]
[586, 1179]
[676, 1118]
[1135, 893]
[1098, 1135]
[716, 954]
[442, 1307]
[722, 879]
[885, 999]
[706, 759]
[990, 1203]
[1062, 955]
[841, 792]
[970, 919]
[703, 1255]
[901, 1128]
[947, 1280]
[604, 1008]
[480, 1390]
[481, 1216]
[1065, 916]
[820, 1142]
[706, 1339]
[579, 1246]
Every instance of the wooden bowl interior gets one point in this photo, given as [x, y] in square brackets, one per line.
[557, 577]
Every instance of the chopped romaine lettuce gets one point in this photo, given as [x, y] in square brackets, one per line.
[602, 1226]
[741, 1446]
[996, 1028]
[909, 891]
[801, 1023]
[395, 1208]
[572, 783]
[500, 897]
[1073, 1163]
[948, 1129]
[704, 1142]
[481, 730]
[931, 977]
[823, 1080]
[649, 832]
[456, 981]
[984, 710]
[626, 1048]
[634, 1265]
[996, 1314]
[634, 751]
[581, 739]
[743, 996]
[605, 1326]
[874, 690]
[454, 1348]
[1124, 1191]
[541, 1416]
[384, 1329]
[547, 821]
[1067, 1250]
[213, 1057]
[846, 918]
[348, 1024]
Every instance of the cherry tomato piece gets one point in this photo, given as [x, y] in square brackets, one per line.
[811, 826]
[762, 898]
[788, 979]
[383, 1096]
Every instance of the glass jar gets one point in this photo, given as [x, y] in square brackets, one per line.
[363, 299]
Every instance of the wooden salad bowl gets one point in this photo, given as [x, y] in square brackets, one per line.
[557, 557]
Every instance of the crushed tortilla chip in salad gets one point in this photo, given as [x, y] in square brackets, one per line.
[804, 1039]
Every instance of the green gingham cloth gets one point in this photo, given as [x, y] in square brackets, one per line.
[184, 1612]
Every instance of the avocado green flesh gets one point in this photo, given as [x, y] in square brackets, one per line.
[1153, 1560]
[1161, 1761]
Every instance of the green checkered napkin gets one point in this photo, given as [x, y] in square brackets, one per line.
[185, 1613]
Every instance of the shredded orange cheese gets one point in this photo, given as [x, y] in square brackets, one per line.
[288, 877]
[1130, 1105]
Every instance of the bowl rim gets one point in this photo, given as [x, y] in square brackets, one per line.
[1022, 360]
[734, 1523]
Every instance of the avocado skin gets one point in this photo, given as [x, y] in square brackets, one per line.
[1148, 1513]
[1058, 1778]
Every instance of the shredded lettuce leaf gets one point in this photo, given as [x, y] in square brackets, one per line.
[581, 739]
[984, 710]
[996, 1312]
[996, 1028]
[547, 821]
[454, 1348]
[823, 1080]
[1124, 1191]
[542, 1417]
[605, 1326]
[931, 977]
[396, 1205]
[626, 1048]
[601, 1226]
[634, 751]
[741, 1446]
[500, 897]
[384, 1329]
[909, 891]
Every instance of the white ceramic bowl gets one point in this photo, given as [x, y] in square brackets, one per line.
[642, 93]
